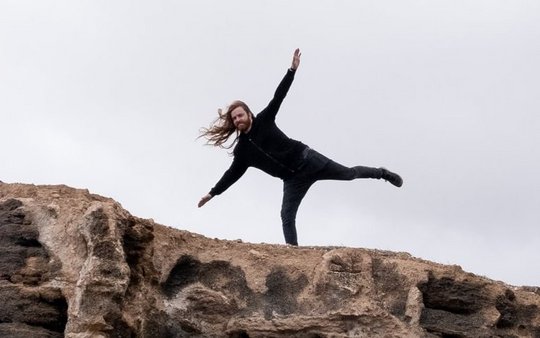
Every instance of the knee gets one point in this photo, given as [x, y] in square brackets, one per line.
[354, 173]
[287, 215]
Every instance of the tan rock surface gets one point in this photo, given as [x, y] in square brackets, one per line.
[77, 264]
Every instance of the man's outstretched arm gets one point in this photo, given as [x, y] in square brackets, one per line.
[271, 110]
[230, 176]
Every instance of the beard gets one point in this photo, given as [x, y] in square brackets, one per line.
[243, 126]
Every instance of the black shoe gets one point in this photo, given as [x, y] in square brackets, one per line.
[391, 177]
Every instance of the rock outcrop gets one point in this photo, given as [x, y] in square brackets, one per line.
[76, 264]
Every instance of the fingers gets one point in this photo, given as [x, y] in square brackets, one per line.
[296, 59]
[203, 200]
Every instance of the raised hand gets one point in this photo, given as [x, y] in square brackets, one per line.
[296, 59]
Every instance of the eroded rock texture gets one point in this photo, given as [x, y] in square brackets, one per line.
[76, 264]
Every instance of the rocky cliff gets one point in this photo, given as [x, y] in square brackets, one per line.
[76, 264]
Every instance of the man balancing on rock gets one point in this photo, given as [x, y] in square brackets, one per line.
[261, 144]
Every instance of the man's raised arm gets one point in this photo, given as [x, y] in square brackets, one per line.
[271, 110]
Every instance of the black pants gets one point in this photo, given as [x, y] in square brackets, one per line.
[314, 168]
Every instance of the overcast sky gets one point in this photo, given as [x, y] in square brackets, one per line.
[110, 96]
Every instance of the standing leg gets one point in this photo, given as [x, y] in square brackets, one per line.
[294, 191]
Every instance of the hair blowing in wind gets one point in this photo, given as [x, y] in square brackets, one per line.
[223, 127]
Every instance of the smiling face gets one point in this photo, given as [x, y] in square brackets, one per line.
[241, 119]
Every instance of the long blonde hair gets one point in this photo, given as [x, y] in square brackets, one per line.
[223, 127]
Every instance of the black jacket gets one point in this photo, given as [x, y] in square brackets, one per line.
[265, 146]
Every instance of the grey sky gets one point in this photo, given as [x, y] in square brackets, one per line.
[110, 95]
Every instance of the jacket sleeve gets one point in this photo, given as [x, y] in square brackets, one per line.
[235, 171]
[271, 110]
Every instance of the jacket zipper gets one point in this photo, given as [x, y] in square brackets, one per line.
[270, 156]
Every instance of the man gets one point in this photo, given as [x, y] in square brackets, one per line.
[261, 144]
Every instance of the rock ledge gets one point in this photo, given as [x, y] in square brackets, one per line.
[76, 264]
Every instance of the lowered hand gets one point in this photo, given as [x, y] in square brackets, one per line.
[204, 199]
